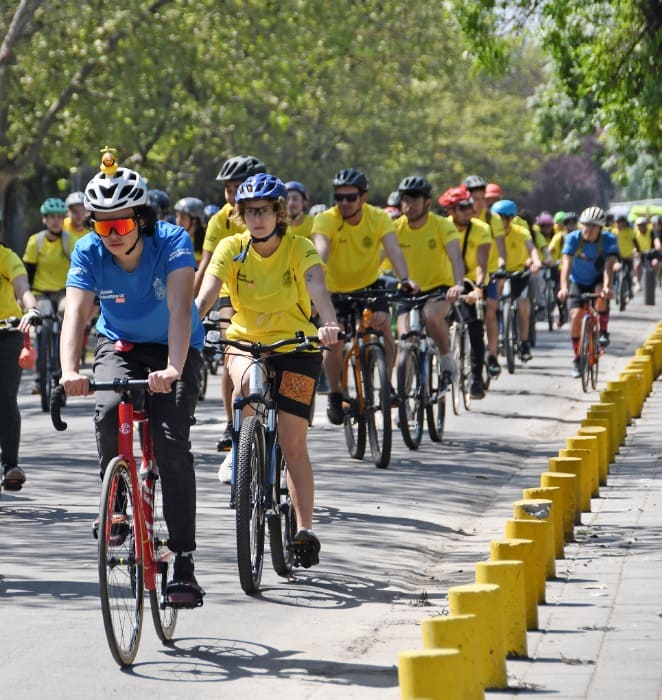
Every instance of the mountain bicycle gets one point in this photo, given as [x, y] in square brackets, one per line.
[460, 347]
[366, 385]
[259, 492]
[420, 385]
[48, 351]
[589, 342]
[133, 555]
[623, 283]
[211, 357]
[509, 331]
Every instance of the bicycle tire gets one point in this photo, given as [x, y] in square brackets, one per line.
[436, 398]
[533, 334]
[508, 338]
[585, 352]
[45, 363]
[410, 396]
[378, 406]
[354, 423]
[465, 367]
[595, 355]
[623, 291]
[164, 616]
[204, 380]
[250, 504]
[121, 584]
[550, 304]
[454, 349]
[282, 522]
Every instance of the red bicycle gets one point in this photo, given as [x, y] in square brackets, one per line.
[132, 553]
[589, 342]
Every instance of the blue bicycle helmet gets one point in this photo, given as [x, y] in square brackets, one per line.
[505, 207]
[53, 205]
[297, 187]
[261, 186]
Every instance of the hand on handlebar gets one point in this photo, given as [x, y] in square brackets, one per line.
[453, 293]
[75, 384]
[161, 381]
[328, 334]
[408, 286]
[606, 292]
[562, 294]
[30, 318]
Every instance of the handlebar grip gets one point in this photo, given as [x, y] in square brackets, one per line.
[57, 401]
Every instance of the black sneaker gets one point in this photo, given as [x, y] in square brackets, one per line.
[334, 410]
[525, 351]
[225, 443]
[493, 366]
[477, 389]
[13, 479]
[576, 370]
[184, 591]
[306, 548]
[604, 339]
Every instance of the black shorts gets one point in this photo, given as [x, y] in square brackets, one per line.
[345, 309]
[404, 307]
[297, 375]
[575, 292]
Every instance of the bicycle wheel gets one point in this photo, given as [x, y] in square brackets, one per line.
[454, 345]
[410, 393]
[250, 510]
[585, 340]
[378, 405]
[550, 304]
[45, 364]
[164, 616]
[509, 339]
[465, 367]
[204, 378]
[595, 356]
[354, 421]
[282, 522]
[533, 336]
[121, 584]
[623, 290]
[436, 398]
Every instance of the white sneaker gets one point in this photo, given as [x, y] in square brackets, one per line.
[225, 470]
[448, 364]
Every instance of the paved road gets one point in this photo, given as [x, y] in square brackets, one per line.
[393, 541]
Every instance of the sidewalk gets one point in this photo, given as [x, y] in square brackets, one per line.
[600, 632]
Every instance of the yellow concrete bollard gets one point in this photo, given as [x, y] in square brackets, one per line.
[540, 510]
[457, 632]
[655, 345]
[590, 443]
[635, 379]
[644, 363]
[603, 421]
[484, 601]
[566, 483]
[535, 530]
[555, 495]
[570, 465]
[509, 576]
[585, 476]
[649, 353]
[609, 411]
[430, 674]
[616, 397]
[601, 434]
[521, 550]
[623, 386]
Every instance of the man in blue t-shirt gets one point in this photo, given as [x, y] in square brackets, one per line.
[142, 271]
[587, 266]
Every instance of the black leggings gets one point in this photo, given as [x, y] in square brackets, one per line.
[11, 343]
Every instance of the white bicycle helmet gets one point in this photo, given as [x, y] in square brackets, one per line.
[122, 190]
[593, 215]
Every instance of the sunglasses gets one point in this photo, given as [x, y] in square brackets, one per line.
[107, 226]
[339, 197]
[465, 206]
[260, 211]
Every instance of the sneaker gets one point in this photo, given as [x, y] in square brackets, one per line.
[576, 370]
[447, 363]
[225, 470]
[604, 339]
[493, 366]
[306, 548]
[477, 389]
[184, 591]
[225, 442]
[525, 351]
[334, 410]
[13, 479]
[119, 529]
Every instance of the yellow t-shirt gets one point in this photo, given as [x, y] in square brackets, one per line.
[74, 233]
[11, 267]
[354, 251]
[221, 226]
[626, 238]
[479, 234]
[496, 226]
[644, 240]
[556, 245]
[424, 249]
[517, 252]
[268, 294]
[305, 228]
[51, 261]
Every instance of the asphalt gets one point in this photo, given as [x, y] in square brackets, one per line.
[600, 631]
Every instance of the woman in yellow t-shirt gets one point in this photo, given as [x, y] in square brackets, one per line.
[272, 279]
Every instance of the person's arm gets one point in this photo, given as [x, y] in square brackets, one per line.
[323, 246]
[77, 309]
[208, 293]
[501, 250]
[608, 277]
[200, 272]
[454, 253]
[26, 299]
[482, 259]
[535, 257]
[564, 281]
[316, 286]
[395, 255]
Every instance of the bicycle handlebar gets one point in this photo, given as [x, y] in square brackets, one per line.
[11, 322]
[257, 350]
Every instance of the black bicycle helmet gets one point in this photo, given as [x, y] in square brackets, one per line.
[415, 185]
[474, 182]
[192, 206]
[353, 177]
[159, 200]
[240, 167]
[569, 216]
[394, 199]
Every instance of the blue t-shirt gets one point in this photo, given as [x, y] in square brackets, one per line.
[586, 268]
[134, 305]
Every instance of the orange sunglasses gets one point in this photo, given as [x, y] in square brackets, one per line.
[107, 226]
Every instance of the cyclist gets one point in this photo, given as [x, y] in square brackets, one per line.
[190, 215]
[210, 210]
[555, 243]
[15, 298]
[393, 205]
[300, 223]
[160, 202]
[272, 278]
[521, 254]
[589, 256]
[627, 244]
[350, 237]
[644, 239]
[493, 193]
[74, 222]
[476, 244]
[142, 269]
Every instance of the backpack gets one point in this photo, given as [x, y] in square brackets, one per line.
[66, 247]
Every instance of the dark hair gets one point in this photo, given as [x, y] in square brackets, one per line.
[147, 217]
